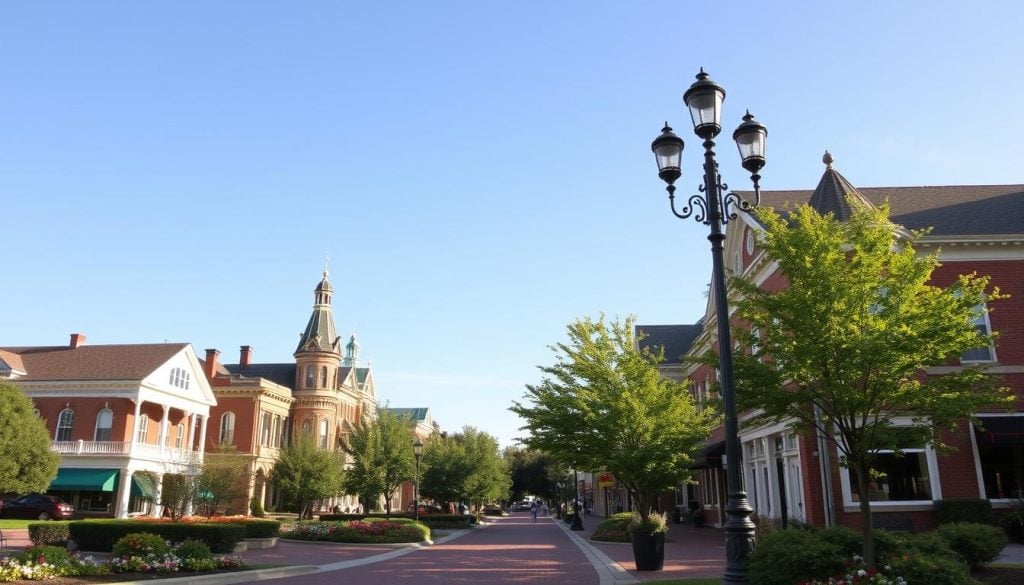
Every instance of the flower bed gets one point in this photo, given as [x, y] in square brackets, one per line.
[135, 553]
[614, 529]
[368, 531]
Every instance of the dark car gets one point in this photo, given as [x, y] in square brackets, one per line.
[38, 506]
[425, 509]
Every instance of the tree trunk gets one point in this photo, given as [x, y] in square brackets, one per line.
[862, 472]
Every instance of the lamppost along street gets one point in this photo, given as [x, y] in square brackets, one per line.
[715, 207]
[577, 519]
[417, 450]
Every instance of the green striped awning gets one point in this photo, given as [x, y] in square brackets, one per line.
[85, 480]
[143, 486]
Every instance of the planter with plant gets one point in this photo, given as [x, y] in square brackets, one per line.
[648, 537]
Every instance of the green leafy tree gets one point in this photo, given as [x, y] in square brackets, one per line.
[381, 454]
[222, 480]
[305, 473]
[604, 406]
[533, 472]
[464, 467]
[843, 347]
[27, 463]
[178, 491]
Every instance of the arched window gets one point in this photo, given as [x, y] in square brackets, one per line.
[323, 376]
[227, 427]
[307, 428]
[324, 427]
[310, 377]
[64, 422]
[104, 425]
[179, 440]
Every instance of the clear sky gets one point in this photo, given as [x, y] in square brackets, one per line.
[478, 172]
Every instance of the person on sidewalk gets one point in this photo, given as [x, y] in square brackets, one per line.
[533, 509]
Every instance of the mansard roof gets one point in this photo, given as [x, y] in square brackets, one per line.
[281, 374]
[93, 362]
[675, 339]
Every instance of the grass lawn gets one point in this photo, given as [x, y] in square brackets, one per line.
[13, 523]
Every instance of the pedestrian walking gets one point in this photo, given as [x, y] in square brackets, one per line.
[533, 509]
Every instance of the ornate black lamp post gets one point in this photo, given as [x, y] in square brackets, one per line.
[715, 207]
[417, 451]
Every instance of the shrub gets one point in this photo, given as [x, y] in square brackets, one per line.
[653, 524]
[193, 549]
[376, 532]
[847, 541]
[918, 568]
[48, 533]
[52, 555]
[198, 564]
[1013, 522]
[614, 529]
[256, 508]
[100, 535]
[261, 528]
[789, 556]
[447, 521]
[140, 544]
[950, 511]
[976, 544]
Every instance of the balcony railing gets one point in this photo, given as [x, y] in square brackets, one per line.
[144, 450]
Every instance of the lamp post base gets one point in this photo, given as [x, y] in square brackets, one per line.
[577, 522]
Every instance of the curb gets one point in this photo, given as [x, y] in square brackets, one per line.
[608, 571]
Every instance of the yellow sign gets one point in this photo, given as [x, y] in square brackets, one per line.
[605, 480]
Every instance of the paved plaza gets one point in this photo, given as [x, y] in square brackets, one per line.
[512, 550]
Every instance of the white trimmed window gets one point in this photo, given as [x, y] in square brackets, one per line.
[982, 324]
[227, 427]
[143, 431]
[104, 425]
[179, 439]
[897, 479]
[64, 423]
[324, 428]
[999, 441]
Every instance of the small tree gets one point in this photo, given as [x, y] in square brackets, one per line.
[605, 406]
[488, 479]
[304, 473]
[533, 472]
[445, 469]
[176, 494]
[223, 479]
[842, 349]
[381, 454]
[27, 463]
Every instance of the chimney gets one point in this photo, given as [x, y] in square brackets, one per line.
[245, 356]
[77, 339]
[210, 368]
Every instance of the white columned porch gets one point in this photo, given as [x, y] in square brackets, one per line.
[158, 497]
[202, 436]
[135, 424]
[192, 431]
[124, 491]
[164, 423]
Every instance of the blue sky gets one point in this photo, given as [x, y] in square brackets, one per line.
[478, 172]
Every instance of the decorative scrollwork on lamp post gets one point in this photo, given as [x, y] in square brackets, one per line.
[715, 206]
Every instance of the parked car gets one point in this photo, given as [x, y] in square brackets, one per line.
[425, 509]
[6, 498]
[38, 506]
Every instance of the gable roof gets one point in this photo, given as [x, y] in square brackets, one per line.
[93, 362]
[675, 339]
[281, 374]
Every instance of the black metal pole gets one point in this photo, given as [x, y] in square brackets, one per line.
[416, 493]
[739, 530]
[577, 520]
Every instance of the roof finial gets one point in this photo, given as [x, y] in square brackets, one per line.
[326, 260]
[827, 159]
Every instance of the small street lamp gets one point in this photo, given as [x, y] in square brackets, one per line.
[417, 450]
[715, 207]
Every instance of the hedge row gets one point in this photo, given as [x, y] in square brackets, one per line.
[44, 533]
[101, 535]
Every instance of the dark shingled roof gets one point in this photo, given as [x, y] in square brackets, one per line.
[959, 210]
[94, 362]
[675, 339]
[283, 374]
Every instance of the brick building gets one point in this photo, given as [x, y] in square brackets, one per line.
[975, 228]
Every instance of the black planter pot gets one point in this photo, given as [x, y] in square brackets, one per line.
[648, 551]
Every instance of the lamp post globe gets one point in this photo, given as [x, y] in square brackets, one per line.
[715, 209]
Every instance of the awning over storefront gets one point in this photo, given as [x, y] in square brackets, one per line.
[710, 455]
[1000, 430]
[85, 480]
[143, 486]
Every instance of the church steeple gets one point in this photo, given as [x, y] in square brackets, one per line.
[320, 335]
